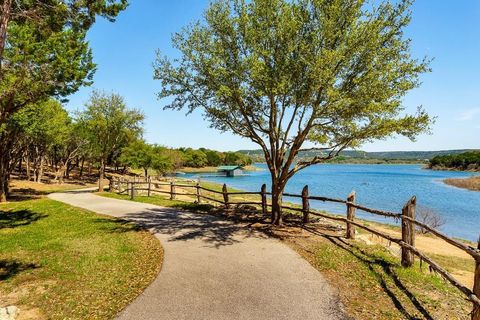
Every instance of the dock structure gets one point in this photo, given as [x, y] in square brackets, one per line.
[230, 171]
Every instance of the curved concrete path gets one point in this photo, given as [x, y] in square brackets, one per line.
[216, 269]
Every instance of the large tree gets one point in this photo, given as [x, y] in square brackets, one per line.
[301, 74]
[109, 126]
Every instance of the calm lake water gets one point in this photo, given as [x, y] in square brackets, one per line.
[385, 187]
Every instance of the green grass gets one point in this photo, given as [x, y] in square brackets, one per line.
[69, 263]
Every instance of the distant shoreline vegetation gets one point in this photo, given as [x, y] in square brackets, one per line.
[363, 157]
[467, 161]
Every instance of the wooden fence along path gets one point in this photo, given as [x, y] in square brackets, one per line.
[407, 218]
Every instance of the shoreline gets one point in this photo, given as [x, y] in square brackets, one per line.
[210, 169]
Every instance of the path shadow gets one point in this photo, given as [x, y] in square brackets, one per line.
[215, 231]
[18, 218]
[384, 272]
[9, 268]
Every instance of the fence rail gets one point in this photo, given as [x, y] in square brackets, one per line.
[406, 217]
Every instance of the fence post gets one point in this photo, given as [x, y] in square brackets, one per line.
[408, 231]
[172, 190]
[225, 196]
[351, 215]
[305, 205]
[476, 287]
[132, 190]
[110, 184]
[149, 187]
[199, 200]
[263, 194]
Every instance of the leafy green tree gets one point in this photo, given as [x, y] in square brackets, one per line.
[195, 158]
[164, 160]
[214, 158]
[236, 158]
[329, 74]
[141, 155]
[138, 154]
[109, 126]
[175, 156]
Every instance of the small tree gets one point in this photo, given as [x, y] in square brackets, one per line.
[284, 73]
[137, 154]
[109, 126]
[429, 217]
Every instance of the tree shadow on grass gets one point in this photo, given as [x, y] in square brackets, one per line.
[18, 218]
[9, 268]
[118, 225]
[384, 273]
[23, 194]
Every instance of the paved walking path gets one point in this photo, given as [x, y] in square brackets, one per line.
[216, 269]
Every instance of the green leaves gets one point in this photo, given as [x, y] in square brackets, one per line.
[43, 125]
[109, 125]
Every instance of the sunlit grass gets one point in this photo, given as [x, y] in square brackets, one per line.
[70, 263]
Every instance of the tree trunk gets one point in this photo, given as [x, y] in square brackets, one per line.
[80, 174]
[20, 163]
[146, 173]
[27, 167]
[40, 170]
[62, 174]
[277, 198]
[4, 19]
[68, 168]
[101, 175]
[4, 177]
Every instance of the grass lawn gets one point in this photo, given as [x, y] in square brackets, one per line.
[60, 262]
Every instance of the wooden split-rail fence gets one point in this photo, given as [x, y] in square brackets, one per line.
[406, 216]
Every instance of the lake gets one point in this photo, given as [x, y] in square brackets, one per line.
[385, 187]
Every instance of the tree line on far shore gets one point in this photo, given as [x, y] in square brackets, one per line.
[463, 161]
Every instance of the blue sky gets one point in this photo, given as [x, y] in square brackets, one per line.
[447, 31]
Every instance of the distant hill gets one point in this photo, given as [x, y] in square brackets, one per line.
[370, 157]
